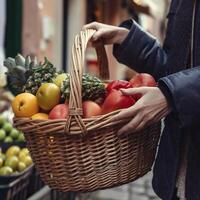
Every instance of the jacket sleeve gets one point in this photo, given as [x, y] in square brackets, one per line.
[141, 51]
[182, 89]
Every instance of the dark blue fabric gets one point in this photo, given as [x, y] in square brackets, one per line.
[169, 65]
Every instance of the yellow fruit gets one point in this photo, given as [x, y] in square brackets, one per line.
[1, 162]
[13, 151]
[48, 95]
[6, 171]
[25, 151]
[40, 116]
[22, 156]
[28, 161]
[3, 156]
[25, 105]
[12, 162]
[59, 79]
[21, 166]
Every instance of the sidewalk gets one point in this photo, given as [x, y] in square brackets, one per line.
[138, 190]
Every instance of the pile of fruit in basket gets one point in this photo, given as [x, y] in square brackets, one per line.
[8, 133]
[14, 160]
[43, 93]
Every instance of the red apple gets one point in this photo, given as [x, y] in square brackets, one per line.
[90, 108]
[143, 79]
[116, 100]
[60, 111]
[140, 80]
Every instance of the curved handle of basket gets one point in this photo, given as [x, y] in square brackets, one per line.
[76, 72]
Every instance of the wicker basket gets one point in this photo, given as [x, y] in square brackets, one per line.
[86, 154]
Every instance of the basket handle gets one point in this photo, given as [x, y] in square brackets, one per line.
[76, 73]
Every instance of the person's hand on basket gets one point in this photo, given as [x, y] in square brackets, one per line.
[149, 109]
[107, 33]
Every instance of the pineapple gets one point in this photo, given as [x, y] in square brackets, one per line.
[39, 73]
[24, 75]
[92, 88]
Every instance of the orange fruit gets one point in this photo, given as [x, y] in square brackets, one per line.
[40, 116]
[25, 105]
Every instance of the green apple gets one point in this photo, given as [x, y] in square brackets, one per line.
[14, 133]
[7, 127]
[48, 96]
[2, 134]
[21, 137]
[8, 139]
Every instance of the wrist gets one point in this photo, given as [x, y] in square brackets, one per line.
[122, 34]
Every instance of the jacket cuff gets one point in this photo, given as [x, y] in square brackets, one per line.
[135, 50]
[166, 92]
[119, 48]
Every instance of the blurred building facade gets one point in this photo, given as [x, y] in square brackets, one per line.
[48, 27]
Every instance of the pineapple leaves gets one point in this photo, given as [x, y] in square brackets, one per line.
[20, 60]
[26, 74]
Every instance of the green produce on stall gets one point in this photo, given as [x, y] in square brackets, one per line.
[14, 160]
[8, 133]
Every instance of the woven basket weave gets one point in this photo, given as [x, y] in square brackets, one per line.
[79, 154]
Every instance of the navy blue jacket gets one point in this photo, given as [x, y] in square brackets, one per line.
[176, 66]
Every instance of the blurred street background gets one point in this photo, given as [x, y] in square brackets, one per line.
[138, 190]
[48, 27]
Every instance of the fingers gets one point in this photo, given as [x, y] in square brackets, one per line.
[140, 126]
[126, 113]
[90, 26]
[131, 126]
[99, 30]
[131, 91]
[135, 125]
[107, 33]
[93, 25]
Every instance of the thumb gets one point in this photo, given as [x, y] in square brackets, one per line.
[140, 90]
